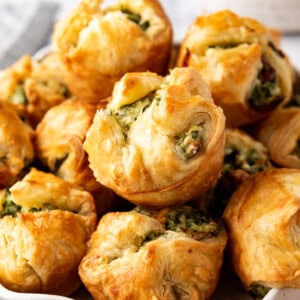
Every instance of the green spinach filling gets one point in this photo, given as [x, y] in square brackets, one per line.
[249, 160]
[136, 18]
[296, 150]
[10, 208]
[127, 114]
[266, 94]
[189, 143]
[195, 223]
[19, 95]
[258, 291]
[151, 236]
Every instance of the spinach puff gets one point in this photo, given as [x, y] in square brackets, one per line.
[242, 63]
[98, 44]
[33, 86]
[244, 157]
[262, 219]
[44, 226]
[169, 254]
[16, 145]
[59, 147]
[160, 140]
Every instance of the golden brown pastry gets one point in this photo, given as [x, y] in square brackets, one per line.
[58, 144]
[240, 60]
[244, 154]
[44, 226]
[98, 45]
[244, 157]
[262, 219]
[45, 87]
[280, 132]
[16, 145]
[160, 141]
[12, 83]
[34, 86]
[169, 254]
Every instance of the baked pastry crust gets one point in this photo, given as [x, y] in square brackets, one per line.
[99, 45]
[280, 132]
[59, 146]
[40, 251]
[262, 219]
[232, 54]
[59, 139]
[142, 145]
[16, 145]
[121, 264]
[244, 157]
[12, 78]
[45, 87]
[33, 87]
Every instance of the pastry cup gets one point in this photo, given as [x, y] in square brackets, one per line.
[98, 45]
[134, 255]
[59, 147]
[241, 61]
[160, 141]
[33, 86]
[244, 157]
[45, 224]
[262, 219]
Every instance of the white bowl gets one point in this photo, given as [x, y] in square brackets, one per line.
[284, 294]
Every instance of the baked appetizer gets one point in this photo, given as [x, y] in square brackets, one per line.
[16, 145]
[98, 44]
[12, 83]
[241, 61]
[45, 223]
[45, 87]
[160, 141]
[169, 254]
[58, 144]
[262, 219]
[244, 157]
[34, 87]
[280, 132]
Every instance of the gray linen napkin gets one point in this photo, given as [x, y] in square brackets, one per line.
[25, 27]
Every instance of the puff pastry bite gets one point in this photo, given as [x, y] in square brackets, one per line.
[45, 87]
[244, 157]
[44, 226]
[98, 44]
[169, 254]
[280, 132]
[262, 218]
[16, 145]
[12, 83]
[160, 141]
[34, 87]
[241, 61]
[58, 145]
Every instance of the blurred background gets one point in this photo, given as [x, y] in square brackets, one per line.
[27, 25]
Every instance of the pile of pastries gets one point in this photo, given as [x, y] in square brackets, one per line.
[136, 167]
